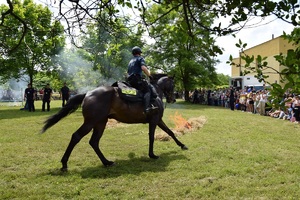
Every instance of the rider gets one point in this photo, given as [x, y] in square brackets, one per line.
[136, 67]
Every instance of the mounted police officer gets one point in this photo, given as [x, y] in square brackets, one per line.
[136, 67]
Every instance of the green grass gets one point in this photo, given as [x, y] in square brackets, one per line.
[236, 155]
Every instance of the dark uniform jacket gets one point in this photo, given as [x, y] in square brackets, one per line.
[29, 93]
[65, 91]
[135, 65]
[47, 92]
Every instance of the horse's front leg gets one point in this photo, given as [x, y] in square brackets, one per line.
[164, 127]
[152, 127]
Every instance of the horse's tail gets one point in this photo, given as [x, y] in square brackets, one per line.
[71, 106]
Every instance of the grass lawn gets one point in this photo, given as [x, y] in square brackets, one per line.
[235, 155]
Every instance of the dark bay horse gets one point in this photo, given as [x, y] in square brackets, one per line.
[103, 103]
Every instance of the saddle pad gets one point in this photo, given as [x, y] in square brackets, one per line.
[127, 92]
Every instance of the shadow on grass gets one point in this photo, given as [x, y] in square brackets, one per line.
[14, 113]
[133, 165]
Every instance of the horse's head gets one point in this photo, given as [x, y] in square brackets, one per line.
[166, 84]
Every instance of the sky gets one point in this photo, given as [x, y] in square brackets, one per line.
[251, 36]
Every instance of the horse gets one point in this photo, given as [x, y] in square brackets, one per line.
[105, 103]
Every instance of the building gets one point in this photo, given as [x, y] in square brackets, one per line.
[268, 49]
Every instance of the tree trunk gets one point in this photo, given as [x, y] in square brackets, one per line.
[186, 95]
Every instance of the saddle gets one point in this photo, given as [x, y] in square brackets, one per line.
[127, 92]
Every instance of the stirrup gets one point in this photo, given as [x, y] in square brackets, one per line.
[151, 110]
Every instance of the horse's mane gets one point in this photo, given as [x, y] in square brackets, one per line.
[156, 77]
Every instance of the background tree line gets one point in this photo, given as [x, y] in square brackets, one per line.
[182, 32]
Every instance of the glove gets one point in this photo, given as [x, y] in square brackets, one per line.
[150, 77]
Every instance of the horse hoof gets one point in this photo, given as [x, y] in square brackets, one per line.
[184, 147]
[63, 169]
[109, 164]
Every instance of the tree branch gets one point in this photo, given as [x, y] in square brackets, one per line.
[25, 27]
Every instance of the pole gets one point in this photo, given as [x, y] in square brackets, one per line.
[240, 67]
[22, 97]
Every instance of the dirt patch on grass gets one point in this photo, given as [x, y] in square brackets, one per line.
[111, 123]
[182, 126]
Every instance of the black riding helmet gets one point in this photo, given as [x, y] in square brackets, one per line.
[136, 50]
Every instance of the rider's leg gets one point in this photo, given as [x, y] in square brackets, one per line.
[147, 95]
[146, 99]
[153, 91]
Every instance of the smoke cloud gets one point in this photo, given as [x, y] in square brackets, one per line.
[13, 92]
[81, 74]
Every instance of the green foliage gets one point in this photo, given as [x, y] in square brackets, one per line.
[237, 12]
[110, 50]
[80, 13]
[43, 41]
[76, 67]
[182, 30]
[176, 51]
[224, 80]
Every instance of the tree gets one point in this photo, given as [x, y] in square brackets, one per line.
[43, 41]
[190, 59]
[223, 81]
[237, 12]
[77, 71]
[77, 13]
[110, 50]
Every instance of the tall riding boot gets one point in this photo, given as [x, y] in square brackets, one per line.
[153, 91]
[147, 107]
[146, 101]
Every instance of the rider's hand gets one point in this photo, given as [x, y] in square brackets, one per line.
[150, 77]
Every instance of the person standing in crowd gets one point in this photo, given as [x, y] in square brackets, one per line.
[64, 94]
[256, 98]
[47, 97]
[29, 96]
[296, 109]
[209, 97]
[231, 99]
[261, 107]
[250, 102]
[195, 96]
[288, 105]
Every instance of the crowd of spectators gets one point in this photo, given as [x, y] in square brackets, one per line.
[249, 100]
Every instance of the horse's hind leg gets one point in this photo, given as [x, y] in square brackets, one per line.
[94, 142]
[152, 127]
[164, 127]
[76, 137]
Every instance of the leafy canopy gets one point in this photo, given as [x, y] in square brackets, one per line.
[43, 41]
